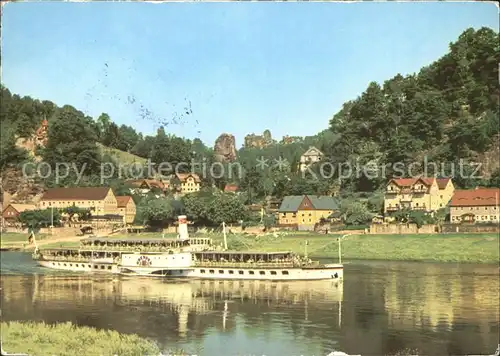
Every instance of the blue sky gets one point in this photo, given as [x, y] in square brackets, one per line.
[244, 66]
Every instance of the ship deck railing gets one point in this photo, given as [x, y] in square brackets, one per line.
[226, 264]
[124, 249]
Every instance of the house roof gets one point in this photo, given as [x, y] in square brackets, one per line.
[408, 182]
[312, 151]
[231, 188]
[21, 207]
[442, 182]
[291, 203]
[78, 193]
[122, 201]
[151, 183]
[476, 197]
[184, 176]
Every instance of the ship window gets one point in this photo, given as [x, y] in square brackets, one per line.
[241, 272]
[273, 273]
[251, 272]
[109, 267]
[102, 267]
[65, 264]
[89, 266]
[76, 265]
[71, 265]
[53, 264]
[262, 272]
[211, 271]
[284, 272]
[231, 272]
[221, 271]
[96, 267]
[202, 271]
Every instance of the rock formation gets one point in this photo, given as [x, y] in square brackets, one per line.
[259, 141]
[38, 139]
[225, 148]
[286, 140]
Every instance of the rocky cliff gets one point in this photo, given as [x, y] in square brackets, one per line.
[225, 148]
[259, 141]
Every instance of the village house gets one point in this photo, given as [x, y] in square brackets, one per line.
[187, 182]
[425, 194]
[475, 205]
[144, 186]
[126, 208]
[12, 211]
[101, 199]
[305, 211]
[311, 156]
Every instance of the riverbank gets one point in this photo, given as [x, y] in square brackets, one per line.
[68, 339]
[464, 248]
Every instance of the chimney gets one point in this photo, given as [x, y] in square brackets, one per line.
[182, 229]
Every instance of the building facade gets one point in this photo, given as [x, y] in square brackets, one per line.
[126, 208]
[311, 156]
[101, 199]
[188, 183]
[475, 205]
[305, 211]
[425, 194]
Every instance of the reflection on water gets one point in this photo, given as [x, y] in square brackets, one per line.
[380, 308]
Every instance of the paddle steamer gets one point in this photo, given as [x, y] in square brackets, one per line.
[183, 257]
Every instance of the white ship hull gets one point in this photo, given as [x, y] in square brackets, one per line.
[94, 266]
[331, 271]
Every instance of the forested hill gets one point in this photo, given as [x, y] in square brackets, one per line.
[447, 111]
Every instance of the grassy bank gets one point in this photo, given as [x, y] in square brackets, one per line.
[477, 248]
[16, 239]
[66, 339]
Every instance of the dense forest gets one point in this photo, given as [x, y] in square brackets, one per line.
[446, 112]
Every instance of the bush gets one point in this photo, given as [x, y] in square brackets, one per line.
[68, 339]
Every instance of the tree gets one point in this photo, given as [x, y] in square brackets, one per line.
[72, 140]
[196, 206]
[72, 211]
[495, 179]
[158, 212]
[355, 213]
[225, 208]
[36, 219]
[252, 183]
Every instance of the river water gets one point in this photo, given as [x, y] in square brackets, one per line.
[381, 308]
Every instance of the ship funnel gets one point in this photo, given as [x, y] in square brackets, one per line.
[183, 228]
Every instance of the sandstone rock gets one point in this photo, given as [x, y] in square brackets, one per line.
[225, 148]
[259, 141]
